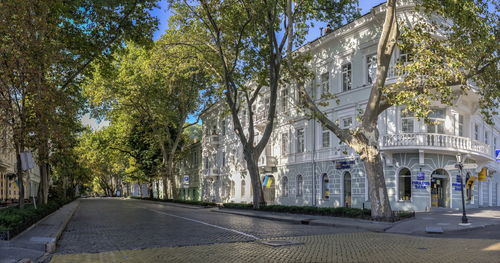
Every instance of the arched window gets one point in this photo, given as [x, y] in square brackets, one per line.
[325, 191]
[300, 185]
[232, 188]
[243, 186]
[284, 186]
[404, 184]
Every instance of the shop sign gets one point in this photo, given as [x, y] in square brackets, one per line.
[457, 186]
[497, 154]
[420, 176]
[459, 179]
[343, 164]
[420, 185]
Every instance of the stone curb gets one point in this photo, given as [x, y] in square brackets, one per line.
[188, 206]
[51, 246]
[309, 221]
[274, 218]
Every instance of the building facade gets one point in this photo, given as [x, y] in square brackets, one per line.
[188, 173]
[304, 163]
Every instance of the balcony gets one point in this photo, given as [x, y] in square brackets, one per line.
[433, 141]
[213, 140]
[267, 163]
[211, 172]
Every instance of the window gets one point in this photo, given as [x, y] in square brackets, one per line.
[232, 188]
[223, 128]
[346, 77]
[407, 122]
[267, 101]
[371, 68]
[476, 132]
[244, 118]
[436, 117]
[495, 145]
[346, 122]
[243, 186]
[214, 158]
[284, 186]
[404, 182]
[206, 163]
[284, 143]
[325, 190]
[325, 86]
[223, 159]
[486, 137]
[404, 58]
[460, 125]
[300, 140]
[284, 99]
[300, 185]
[325, 137]
[214, 130]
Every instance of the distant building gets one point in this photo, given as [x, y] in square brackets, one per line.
[188, 173]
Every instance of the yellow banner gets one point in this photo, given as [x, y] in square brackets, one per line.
[483, 174]
[471, 180]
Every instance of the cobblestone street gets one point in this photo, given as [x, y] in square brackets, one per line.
[112, 230]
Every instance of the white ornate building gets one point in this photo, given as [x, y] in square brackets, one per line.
[304, 164]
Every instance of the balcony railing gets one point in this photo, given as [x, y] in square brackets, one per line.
[268, 161]
[211, 172]
[433, 140]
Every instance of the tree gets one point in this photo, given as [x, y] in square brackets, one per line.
[445, 58]
[45, 50]
[155, 88]
[244, 44]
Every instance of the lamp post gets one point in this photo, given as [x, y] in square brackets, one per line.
[460, 166]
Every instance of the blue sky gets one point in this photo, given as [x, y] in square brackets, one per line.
[163, 14]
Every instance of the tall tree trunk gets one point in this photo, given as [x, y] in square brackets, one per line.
[380, 205]
[43, 153]
[253, 171]
[19, 149]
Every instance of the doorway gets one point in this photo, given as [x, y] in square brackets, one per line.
[439, 188]
[269, 189]
[347, 190]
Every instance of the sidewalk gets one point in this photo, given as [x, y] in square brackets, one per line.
[373, 226]
[39, 239]
[446, 220]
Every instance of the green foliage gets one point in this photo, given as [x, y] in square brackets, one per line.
[16, 220]
[323, 211]
[454, 51]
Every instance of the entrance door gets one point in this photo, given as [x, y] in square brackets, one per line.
[439, 188]
[269, 189]
[347, 190]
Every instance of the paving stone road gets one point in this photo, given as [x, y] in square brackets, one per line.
[140, 231]
[114, 224]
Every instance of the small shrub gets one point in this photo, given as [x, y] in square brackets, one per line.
[15, 220]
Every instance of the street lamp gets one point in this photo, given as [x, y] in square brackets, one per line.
[460, 166]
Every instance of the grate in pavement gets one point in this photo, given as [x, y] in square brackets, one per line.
[281, 243]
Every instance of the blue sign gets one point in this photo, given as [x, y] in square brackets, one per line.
[420, 185]
[497, 154]
[186, 179]
[344, 164]
[420, 176]
[459, 179]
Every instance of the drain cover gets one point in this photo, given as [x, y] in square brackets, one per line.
[281, 243]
